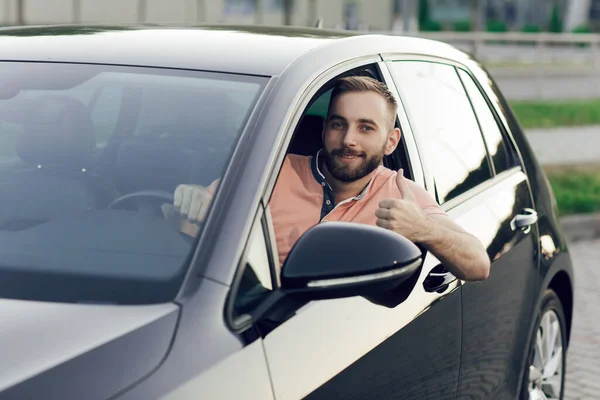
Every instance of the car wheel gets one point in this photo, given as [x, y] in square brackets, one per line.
[544, 375]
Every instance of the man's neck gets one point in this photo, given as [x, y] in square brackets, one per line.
[345, 190]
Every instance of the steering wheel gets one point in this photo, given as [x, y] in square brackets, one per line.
[144, 201]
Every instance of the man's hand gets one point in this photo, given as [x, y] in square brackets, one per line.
[403, 216]
[192, 201]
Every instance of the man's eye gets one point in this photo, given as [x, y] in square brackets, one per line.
[366, 128]
[337, 125]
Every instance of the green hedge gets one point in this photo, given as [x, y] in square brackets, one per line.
[576, 191]
[497, 26]
[462, 26]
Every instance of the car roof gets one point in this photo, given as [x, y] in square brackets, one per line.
[253, 49]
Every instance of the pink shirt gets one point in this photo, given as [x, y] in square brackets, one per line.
[302, 198]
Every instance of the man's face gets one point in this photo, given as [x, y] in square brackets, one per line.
[357, 134]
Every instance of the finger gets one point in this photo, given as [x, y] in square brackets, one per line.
[195, 206]
[383, 223]
[186, 200]
[405, 191]
[203, 209]
[387, 203]
[383, 213]
[178, 196]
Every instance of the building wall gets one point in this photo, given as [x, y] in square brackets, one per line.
[374, 13]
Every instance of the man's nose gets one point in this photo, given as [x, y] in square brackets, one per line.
[349, 138]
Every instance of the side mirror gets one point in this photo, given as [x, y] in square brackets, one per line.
[341, 259]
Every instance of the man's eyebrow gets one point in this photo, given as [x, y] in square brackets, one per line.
[336, 116]
[367, 121]
[360, 120]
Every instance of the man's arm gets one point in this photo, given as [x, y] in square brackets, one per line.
[460, 252]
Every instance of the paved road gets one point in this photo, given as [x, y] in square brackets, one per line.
[528, 87]
[560, 146]
[583, 360]
[570, 72]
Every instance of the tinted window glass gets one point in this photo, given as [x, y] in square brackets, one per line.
[443, 120]
[489, 125]
[73, 140]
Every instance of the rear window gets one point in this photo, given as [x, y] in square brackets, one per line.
[76, 138]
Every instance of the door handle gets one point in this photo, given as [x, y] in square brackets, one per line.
[438, 280]
[525, 220]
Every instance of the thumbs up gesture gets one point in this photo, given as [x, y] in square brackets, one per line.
[403, 216]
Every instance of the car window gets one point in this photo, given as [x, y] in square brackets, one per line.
[256, 281]
[86, 220]
[489, 126]
[443, 121]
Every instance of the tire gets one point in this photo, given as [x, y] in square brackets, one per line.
[549, 371]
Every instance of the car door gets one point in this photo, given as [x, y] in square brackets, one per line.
[404, 346]
[483, 187]
[512, 290]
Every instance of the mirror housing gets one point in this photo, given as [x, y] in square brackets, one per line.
[343, 259]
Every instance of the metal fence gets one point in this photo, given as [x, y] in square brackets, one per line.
[547, 53]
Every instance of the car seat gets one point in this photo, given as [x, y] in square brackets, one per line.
[56, 144]
[307, 137]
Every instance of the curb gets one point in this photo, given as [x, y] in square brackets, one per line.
[581, 227]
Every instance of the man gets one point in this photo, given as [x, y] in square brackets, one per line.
[346, 181]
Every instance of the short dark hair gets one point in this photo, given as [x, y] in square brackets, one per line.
[355, 84]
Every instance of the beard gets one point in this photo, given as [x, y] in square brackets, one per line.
[350, 173]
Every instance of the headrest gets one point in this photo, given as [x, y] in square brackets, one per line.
[58, 131]
[307, 138]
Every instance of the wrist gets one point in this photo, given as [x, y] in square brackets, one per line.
[426, 233]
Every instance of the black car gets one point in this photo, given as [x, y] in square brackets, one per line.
[103, 297]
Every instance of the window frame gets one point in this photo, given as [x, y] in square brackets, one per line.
[509, 145]
[499, 107]
[242, 323]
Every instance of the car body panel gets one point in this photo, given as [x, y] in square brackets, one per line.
[497, 312]
[185, 48]
[248, 367]
[202, 341]
[102, 349]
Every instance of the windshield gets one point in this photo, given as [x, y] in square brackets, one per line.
[90, 157]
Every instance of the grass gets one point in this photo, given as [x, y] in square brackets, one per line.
[550, 114]
[577, 189]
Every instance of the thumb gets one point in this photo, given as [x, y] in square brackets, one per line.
[405, 191]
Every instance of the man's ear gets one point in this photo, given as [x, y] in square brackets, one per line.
[393, 141]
